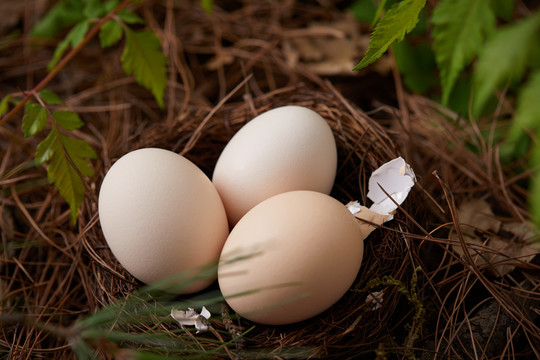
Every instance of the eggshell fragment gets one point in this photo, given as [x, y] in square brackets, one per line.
[397, 178]
[284, 149]
[290, 258]
[161, 216]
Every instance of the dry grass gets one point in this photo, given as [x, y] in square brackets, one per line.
[52, 273]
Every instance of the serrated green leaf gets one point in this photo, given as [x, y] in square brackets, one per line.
[73, 38]
[399, 20]
[68, 163]
[49, 97]
[34, 119]
[130, 17]
[459, 30]
[144, 58]
[110, 33]
[63, 14]
[504, 58]
[79, 151]
[4, 104]
[67, 119]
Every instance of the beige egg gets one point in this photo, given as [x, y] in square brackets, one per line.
[162, 216]
[284, 149]
[290, 258]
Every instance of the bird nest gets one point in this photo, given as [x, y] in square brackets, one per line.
[362, 145]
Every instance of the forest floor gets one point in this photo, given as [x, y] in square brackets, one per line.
[456, 268]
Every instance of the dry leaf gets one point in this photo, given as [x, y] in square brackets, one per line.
[502, 245]
[329, 48]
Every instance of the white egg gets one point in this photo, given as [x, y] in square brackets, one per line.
[284, 149]
[162, 216]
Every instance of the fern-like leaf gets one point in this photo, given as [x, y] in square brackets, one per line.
[459, 30]
[68, 165]
[144, 58]
[400, 19]
[505, 57]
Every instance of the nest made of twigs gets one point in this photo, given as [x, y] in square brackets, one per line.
[362, 144]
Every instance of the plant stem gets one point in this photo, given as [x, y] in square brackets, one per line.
[93, 32]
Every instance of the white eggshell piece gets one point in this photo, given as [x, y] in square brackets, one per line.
[161, 216]
[284, 149]
[291, 257]
[397, 178]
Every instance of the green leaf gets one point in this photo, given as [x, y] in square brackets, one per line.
[73, 38]
[110, 5]
[67, 119]
[534, 188]
[208, 6]
[528, 107]
[93, 9]
[504, 58]
[76, 35]
[4, 104]
[400, 19]
[417, 65]
[504, 9]
[63, 14]
[45, 149]
[378, 13]
[459, 30]
[68, 164]
[130, 17]
[49, 97]
[34, 119]
[58, 52]
[363, 10]
[144, 58]
[110, 33]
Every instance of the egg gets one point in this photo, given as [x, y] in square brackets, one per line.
[290, 258]
[162, 216]
[284, 149]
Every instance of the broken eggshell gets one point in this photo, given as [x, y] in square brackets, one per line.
[396, 178]
[190, 317]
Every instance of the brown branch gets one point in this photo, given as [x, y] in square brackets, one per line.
[93, 32]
